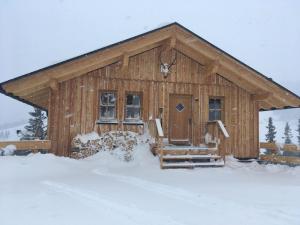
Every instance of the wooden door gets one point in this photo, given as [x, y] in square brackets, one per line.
[180, 119]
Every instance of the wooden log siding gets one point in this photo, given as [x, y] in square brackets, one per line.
[74, 106]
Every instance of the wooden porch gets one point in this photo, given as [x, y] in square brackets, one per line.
[187, 156]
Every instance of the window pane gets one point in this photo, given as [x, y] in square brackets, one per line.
[129, 100]
[133, 99]
[104, 98]
[211, 103]
[217, 115]
[133, 113]
[108, 98]
[215, 109]
[217, 103]
[103, 111]
[107, 112]
[136, 100]
[112, 99]
[111, 112]
[133, 109]
[214, 103]
[211, 115]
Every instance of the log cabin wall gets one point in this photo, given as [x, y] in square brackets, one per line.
[74, 106]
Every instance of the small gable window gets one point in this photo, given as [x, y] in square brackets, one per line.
[133, 107]
[215, 109]
[108, 106]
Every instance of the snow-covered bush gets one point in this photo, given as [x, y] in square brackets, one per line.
[8, 150]
[119, 143]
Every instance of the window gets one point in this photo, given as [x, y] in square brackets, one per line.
[133, 107]
[108, 106]
[215, 109]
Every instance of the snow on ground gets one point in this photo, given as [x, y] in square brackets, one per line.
[46, 189]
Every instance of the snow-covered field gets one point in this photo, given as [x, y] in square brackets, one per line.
[45, 189]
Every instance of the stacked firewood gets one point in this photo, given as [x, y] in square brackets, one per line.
[123, 141]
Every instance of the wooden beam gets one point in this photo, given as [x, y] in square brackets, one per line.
[209, 51]
[37, 98]
[124, 63]
[228, 71]
[53, 84]
[231, 71]
[34, 94]
[235, 72]
[192, 53]
[91, 62]
[264, 105]
[211, 68]
[25, 145]
[172, 43]
[73, 72]
[261, 96]
[245, 79]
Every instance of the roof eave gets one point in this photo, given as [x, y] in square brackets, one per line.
[21, 99]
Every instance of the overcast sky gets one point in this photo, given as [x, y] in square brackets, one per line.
[34, 34]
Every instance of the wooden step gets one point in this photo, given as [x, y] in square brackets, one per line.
[176, 156]
[192, 164]
[189, 152]
[183, 150]
[184, 147]
[189, 157]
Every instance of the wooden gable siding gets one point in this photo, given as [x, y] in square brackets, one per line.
[73, 108]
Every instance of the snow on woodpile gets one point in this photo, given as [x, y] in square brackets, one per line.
[119, 143]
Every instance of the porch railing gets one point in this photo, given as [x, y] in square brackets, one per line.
[280, 153]
[156, 131]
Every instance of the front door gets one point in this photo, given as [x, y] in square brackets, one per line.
[180, 121]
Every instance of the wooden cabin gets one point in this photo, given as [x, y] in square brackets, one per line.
[168, 73]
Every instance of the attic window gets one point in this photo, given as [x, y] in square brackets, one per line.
[108, 106]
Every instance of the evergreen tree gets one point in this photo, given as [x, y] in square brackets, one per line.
[287, 134]
[298, 130]
[270, 136]
[36, 128]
